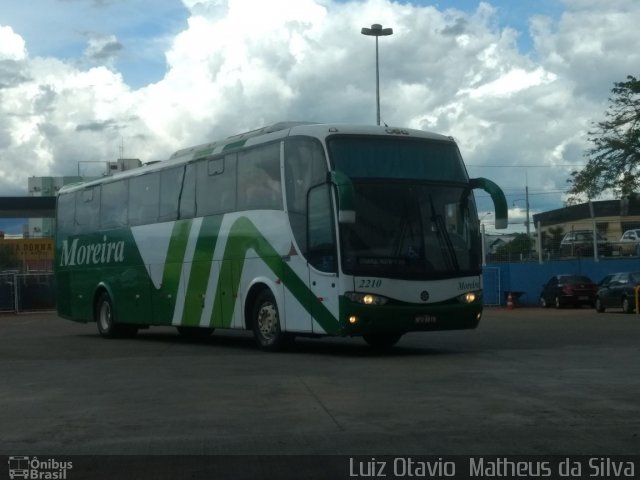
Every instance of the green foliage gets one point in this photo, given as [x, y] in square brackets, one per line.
[521, 243]
[614, 159]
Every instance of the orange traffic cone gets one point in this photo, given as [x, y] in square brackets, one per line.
[509, 302]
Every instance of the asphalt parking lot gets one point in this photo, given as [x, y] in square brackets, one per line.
[527, 381]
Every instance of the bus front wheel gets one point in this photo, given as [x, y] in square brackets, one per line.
[107, 326]
[382, 341]
[266, 323]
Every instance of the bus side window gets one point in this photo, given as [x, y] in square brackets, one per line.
[170, 185]
[87, 209]
[66, 213]
[188, 192]
[304, 166]
[144, 194]
[321, 235]
[113, 204]
[216, 185]
[259, 185]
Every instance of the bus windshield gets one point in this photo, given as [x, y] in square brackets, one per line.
[414, 216]
[411, 230]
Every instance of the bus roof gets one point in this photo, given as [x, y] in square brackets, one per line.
[262, 135]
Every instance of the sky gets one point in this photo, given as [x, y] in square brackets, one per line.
[517, 83]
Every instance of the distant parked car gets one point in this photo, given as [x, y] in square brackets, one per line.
[579, 243]
[562, 290]
[618, 291]
[629, 243]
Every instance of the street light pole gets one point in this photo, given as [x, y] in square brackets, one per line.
[376, 30]
[526, 200]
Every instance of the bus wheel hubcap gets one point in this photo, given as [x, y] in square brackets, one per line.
[268, 321]
[105, 316]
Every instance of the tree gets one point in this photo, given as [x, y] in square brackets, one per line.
[521, 244]
[614, 160]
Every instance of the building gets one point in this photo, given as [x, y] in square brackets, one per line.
[611, 217]
[30, 254]
[44, 187]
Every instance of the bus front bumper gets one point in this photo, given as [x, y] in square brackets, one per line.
[357, 319]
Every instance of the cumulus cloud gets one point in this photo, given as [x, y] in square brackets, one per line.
[12, 45]
[591, 43]
[103, 49]
[238, 65]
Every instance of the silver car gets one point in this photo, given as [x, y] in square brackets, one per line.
[629, 243]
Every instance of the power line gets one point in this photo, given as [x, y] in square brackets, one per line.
[548, 192]
[519, 192]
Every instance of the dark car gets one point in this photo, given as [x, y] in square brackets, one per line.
[579, 243]
[618, 290]
[563, 290]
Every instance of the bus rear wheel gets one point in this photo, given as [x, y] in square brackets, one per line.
[382, 341]
[266, 323]
[107, 326]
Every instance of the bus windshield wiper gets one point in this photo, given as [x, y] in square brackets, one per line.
[443, 238]
[408, 232]
[402, 234]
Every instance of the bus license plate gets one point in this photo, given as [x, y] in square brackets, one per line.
[425, 319]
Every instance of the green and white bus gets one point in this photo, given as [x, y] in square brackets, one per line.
[296, 229]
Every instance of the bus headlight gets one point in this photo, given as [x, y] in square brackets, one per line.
[470, 297]
[366, 298]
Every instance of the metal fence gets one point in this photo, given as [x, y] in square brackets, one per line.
[525, 279]
[26, 292]
[607, 251]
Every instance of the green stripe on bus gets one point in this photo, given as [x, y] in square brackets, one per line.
[230, 146]
[175, 258]
[203, 152]
[200, 269]
[243, 235]
[319, 312]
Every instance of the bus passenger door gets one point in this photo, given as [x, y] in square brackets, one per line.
[323, 259]
[325, 307]
[297, 305]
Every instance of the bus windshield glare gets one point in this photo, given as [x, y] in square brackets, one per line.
[397, 157]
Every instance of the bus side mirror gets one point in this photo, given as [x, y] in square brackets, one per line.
[499, 200]
[344, 188]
